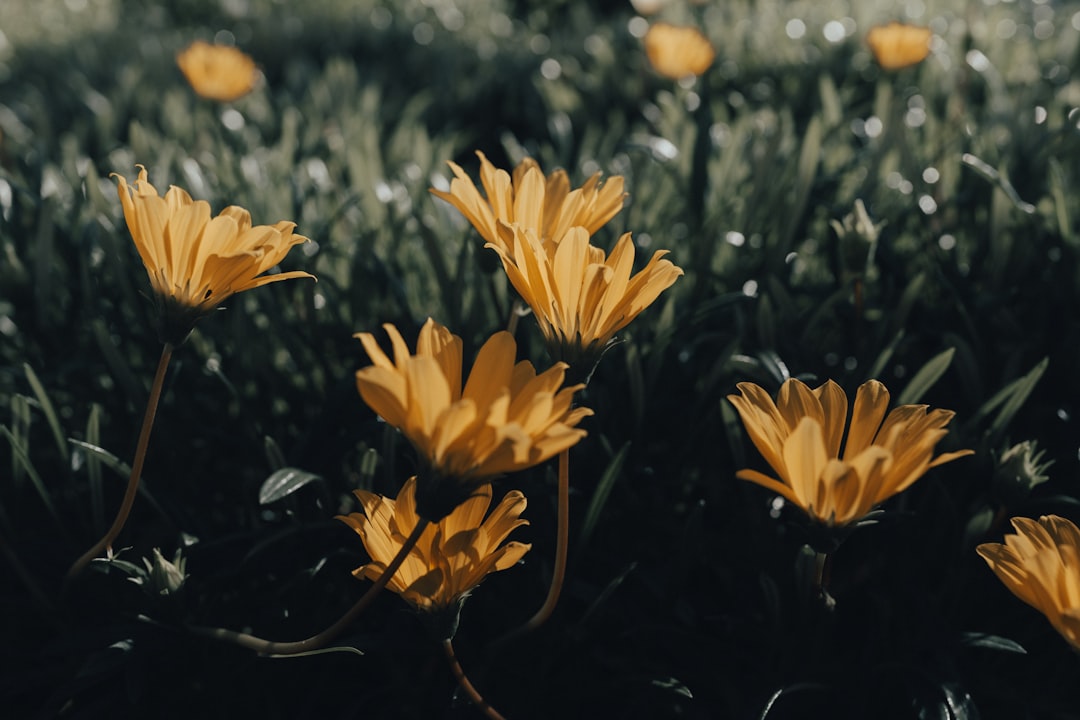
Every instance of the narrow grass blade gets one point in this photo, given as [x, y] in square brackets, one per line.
[21, 456]
[929, 374]
[50, 412]
[600, 495]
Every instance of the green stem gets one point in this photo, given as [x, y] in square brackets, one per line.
[105, 543]
[315, 642]
[463, 681]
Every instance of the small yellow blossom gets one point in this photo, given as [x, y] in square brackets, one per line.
[506, 417]
[194, 261]
[546, 205]
[897, 46]
[1040, 564]
[678, 52]
[218, 72]
[451, 557]
[800, 436]
[580, 296]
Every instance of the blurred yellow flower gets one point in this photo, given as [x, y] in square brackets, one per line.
[580, 296]
[506, 418]
[678, 52]
[897, 46]
[218, 72]
[194, 261]
[547, 205]
[451, 557]
[1040, 564]
[800, 436]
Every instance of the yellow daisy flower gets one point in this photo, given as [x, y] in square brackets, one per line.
[580, 296]
[678, 52]
[194, 261]
[218, 72]
[451, 557]
[897, 46]
[836, 482]
[1040, 564]
[547, 205]
[505, 418]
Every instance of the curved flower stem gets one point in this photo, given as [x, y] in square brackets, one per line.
[463, 681]
[562, 541]
[105, 543]
[315, 642]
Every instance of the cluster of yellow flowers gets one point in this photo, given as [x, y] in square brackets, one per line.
[503, 416]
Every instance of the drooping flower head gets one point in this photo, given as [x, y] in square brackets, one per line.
[451, 557]
[546, 205]
[1040, 564]
[196, 262]
[506, 417]
[678, 52]
[218, 72]
[837, 482]
[897, 46]
[580, 295]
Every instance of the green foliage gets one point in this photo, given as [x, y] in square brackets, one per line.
[683, 597]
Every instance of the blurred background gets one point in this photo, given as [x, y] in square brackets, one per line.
[687, 593]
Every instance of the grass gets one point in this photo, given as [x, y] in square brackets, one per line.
[687, 593]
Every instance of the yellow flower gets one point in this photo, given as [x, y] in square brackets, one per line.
[194, 261]
[678, 52]
[451, 557]
[546, 205]
[580, 296]
[218, 72]
[897, 46]
[1040, 564]
[505, 418]
[800, 436]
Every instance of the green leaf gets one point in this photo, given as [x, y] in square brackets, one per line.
[19, 452]
[1018, 397]
[48, 409]
[93, 469]
[992, 642]
[284, 482]
[884, 357]
[1010, 399]
[929, 374]
[274, 457]
[600, 495]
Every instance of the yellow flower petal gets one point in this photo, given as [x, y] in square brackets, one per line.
[678, 52]
[897, 46]
[218, 72]
[454, 554]
[195, 261]
[1040, 564]
[834, 481]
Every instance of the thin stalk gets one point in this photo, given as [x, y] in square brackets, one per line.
[455, 667]
[315, 642]
[822, 566]
[105, 543]
[561, 544]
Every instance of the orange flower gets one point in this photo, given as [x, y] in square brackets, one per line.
[506, 417]
[580, 296]
[451, 557]
[194, 261]
[1040, 564]
[897, 46]
[546, 205]
[678, 52]
[218, 72]
[800, 436]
